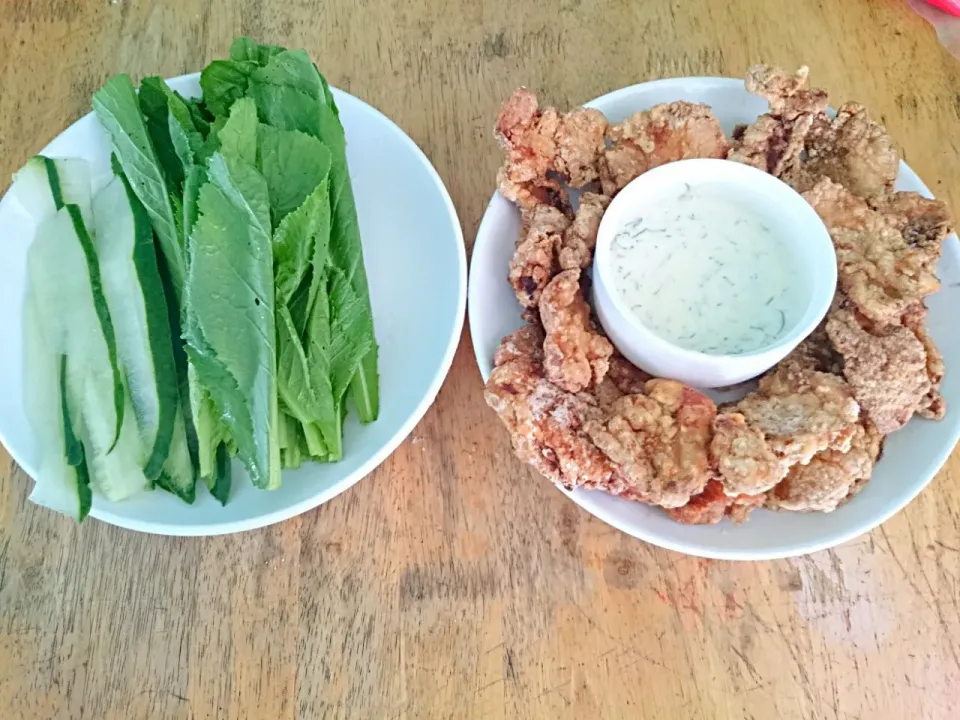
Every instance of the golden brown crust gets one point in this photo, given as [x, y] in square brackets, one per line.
[654, 137]
[853, 150]
[660, 440]
[576, 356]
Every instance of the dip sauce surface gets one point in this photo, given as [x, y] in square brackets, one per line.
[705, 273]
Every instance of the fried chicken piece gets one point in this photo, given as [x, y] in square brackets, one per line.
[801, 412]
[839, 208]
[524, 343]
[923, 222]
[932, 405]
[788, 95]
[576, 356]
[660, 440]
[546, 425]
[886, 366]
[853, 150]
[772, 144]
[576, 250]
[776, 140]
[622, 378]
[711, 505]
[745, 463]
[534, 261]
[878, 268]
[881, 273]
[831, 477]
[816, 352]
[662, 134]
[538, 142]
[707, 507]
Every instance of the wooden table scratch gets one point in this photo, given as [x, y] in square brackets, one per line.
[452, 583]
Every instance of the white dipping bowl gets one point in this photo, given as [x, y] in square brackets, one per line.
[793, 222]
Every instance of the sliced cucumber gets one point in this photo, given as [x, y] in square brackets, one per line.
[44, 185]
[68, 296]
[134, 296]
[62, 482]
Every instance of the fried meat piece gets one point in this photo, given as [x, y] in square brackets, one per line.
[660, 440]
[831, 477]
[662, 134]
[546, 425]
[707, 507]
[923, 222]
[541, 141]
[878, 268]
[776, 140]
[932, 405]
[534, 261]
[788, 95]
[772, 144]
[801, 412]
[622, 378]
[886, 366]
[816, 352]
[576, 250]
[524, 343]
[576, 356]
[853, 150]
[712, 504]
[744, 461]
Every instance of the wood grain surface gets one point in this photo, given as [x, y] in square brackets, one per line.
[452, 583]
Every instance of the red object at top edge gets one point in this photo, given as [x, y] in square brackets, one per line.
[948, 6]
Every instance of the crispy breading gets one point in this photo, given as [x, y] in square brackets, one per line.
[923, 222]
[576, 250]
[878, 268]
[539, 142]
[534, 261]
[788, 95]
[853, 150]
[830, 477]
[712, 504]
[660, 440]
[523, 343]
[744, 461]
[772, 144]
[932, 405]
[801, 412]
[816, 352]
[546, 425]
[622, 378]
[662, 134]
[576, 356]
[886, 366]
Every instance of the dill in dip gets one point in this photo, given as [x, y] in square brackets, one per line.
[705, 272]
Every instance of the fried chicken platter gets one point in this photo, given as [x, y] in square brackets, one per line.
[803, 438]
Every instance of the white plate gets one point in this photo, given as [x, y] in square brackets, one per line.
[416, 264]
[911, 456]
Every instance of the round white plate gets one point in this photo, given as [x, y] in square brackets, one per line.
[416, 264]
[911, 456]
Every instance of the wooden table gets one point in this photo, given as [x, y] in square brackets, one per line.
[452, 583]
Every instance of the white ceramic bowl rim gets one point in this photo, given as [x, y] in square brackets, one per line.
[816, 240]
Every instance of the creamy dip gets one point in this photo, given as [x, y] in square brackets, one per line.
[705, 272]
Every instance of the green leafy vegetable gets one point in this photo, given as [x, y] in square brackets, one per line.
[230, 296]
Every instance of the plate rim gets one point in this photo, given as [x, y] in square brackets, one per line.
[583, 497]
[107, 515]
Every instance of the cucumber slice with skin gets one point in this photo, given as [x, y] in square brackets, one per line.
[134, 296]
[66, 286]
[44, 185]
